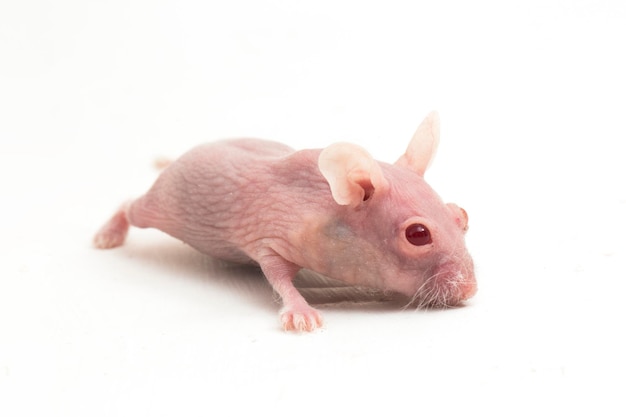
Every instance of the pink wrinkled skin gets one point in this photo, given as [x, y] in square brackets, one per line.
[334, 211]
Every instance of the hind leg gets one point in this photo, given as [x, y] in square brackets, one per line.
[114, 232]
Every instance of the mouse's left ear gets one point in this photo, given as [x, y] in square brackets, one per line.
[421, 151]
[352, 174]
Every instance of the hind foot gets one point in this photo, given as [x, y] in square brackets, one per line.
[113, 233]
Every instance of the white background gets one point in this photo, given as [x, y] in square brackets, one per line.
[532, 99]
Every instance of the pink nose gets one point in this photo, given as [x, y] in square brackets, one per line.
[459, 278]
[468, 290]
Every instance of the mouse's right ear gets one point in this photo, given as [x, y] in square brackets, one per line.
[352, 174]
[422, 148]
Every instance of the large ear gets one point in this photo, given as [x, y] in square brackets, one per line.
[423, 146]
[351, 172]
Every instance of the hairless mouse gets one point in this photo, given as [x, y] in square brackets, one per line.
[335, 211]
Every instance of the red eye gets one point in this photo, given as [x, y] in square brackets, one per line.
[418, 235]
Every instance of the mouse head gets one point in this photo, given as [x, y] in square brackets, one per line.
[394, 231]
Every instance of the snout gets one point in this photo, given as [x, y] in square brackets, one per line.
[467, 288]
[448, 286]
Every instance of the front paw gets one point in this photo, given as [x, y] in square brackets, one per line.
[302, 319]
